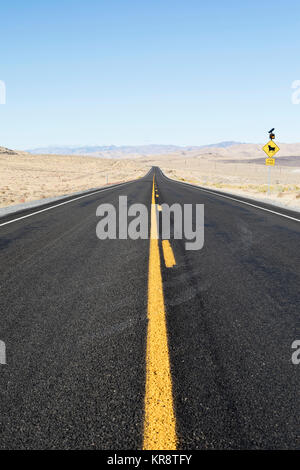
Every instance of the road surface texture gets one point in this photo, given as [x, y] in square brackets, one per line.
[75, 323]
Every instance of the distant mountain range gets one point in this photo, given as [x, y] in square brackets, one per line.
[114, 151]
[228, 151]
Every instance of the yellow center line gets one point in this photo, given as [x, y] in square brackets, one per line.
[168, 254]
[159, 421]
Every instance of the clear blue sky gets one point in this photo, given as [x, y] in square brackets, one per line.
[148, 71]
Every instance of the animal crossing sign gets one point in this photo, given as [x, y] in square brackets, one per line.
[271, 149]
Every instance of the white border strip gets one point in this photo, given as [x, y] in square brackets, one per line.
[232, 198]
[63, 203]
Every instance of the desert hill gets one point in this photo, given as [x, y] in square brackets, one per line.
[5, 151]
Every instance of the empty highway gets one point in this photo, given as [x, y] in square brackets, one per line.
[129, 344]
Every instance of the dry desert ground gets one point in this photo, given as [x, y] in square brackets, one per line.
[238, 169]
[242, 171]
[26, 177]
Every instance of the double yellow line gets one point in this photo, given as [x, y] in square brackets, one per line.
[159, 421]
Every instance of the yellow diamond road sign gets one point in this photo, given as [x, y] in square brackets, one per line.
[271, 148]
[270, 161]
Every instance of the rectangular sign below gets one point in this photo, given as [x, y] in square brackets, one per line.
[270, 161]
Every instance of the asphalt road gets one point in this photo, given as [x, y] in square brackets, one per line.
[74, 319]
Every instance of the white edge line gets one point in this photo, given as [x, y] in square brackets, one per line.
[232, 198]
[66, 202]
